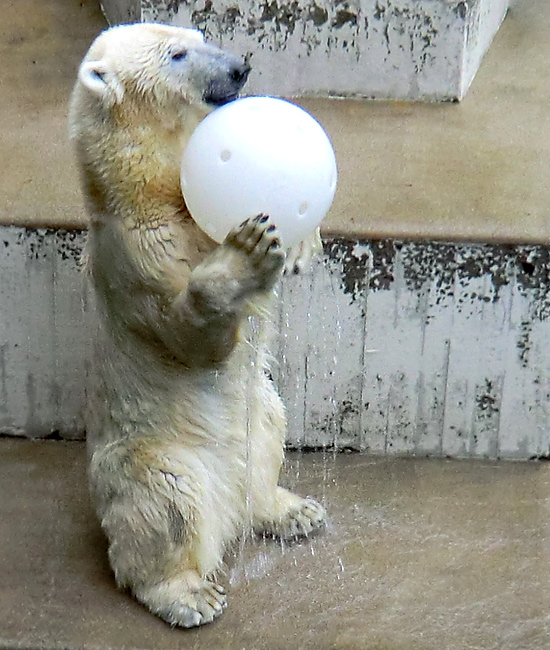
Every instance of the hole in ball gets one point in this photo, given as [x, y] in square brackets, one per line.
[303, 208]
[225, 155]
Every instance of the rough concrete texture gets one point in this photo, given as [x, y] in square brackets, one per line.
[418, 555]
[425, 50]
[476, 170]
[41, 45]
[389, 347]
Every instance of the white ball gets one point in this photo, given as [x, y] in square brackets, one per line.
[259, 155]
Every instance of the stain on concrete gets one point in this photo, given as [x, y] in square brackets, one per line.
[462, 316]
[379, 11]
[354, 265]
[383, 264]
[286, 15]
[160, 11]
[487, 399]
[69, 245]
[317, 15]
[405, 38]
[532, 264]
[200, 17]
[426, 263]
[36, 243]
[444, 264]
[523, 342]
[493, 261]
[461, 10]
[344, 17]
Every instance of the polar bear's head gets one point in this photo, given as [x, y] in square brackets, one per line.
[162, 65]
[140, 92]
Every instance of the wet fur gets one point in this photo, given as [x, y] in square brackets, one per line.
[185, 428]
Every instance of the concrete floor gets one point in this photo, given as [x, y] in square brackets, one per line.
[418, 555]
[471, 171]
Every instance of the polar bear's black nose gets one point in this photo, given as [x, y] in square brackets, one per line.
[239, 73]
[230, 75]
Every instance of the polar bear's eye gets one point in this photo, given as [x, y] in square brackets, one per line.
[179, 55]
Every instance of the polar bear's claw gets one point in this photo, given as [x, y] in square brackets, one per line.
[259, 239]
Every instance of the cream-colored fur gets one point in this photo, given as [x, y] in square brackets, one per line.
[185, 428]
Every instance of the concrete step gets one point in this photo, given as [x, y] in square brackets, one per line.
[426, 50]
[475, 171]
[388, 347]
[418, 555]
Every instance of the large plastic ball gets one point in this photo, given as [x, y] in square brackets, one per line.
[259, 155]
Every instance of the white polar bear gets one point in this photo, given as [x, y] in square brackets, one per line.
[185, 433]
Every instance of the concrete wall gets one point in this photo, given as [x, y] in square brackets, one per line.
[386, 346]
[385, 49]
[121, 11]
[44, 333]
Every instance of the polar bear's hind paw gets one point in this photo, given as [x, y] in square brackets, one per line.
[183, 606]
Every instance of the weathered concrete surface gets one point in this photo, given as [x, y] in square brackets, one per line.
[427, 50]
[419, 348]
[45, 333]
[122, 11]
[419, 555]
[385, 346]
[474, 171]
[41, 44]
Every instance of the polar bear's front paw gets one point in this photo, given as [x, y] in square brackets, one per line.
[259, 239]
[185, 602]
[298, 517]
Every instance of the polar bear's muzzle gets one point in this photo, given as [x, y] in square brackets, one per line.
[229, 74]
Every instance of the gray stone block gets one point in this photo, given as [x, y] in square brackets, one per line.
[426, 50]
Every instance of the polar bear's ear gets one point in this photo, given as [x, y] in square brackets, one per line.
[97, 77]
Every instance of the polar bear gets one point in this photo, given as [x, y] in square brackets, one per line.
[185, 428]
